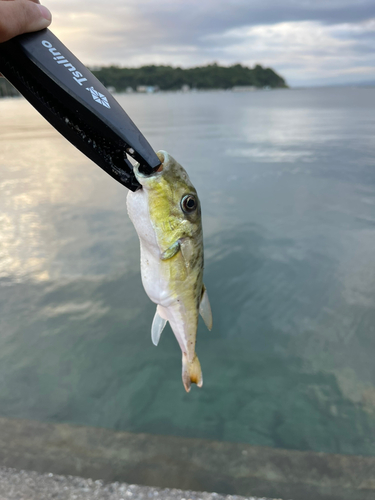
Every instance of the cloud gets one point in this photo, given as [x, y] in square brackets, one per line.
[306, 41]
[306, 51]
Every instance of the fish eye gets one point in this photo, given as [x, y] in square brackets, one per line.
[188, 204]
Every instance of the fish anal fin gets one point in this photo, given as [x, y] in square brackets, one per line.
[205, 309]
[157, 327]
[191, 372]
[171, 251]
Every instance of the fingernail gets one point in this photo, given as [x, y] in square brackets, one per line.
[45, 12]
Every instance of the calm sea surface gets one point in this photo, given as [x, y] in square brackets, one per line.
[287, 184]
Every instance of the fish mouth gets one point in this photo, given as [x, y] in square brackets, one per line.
[141, 174]
[143, 177]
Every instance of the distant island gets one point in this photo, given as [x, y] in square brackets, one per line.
[212, 76]
[152, 78]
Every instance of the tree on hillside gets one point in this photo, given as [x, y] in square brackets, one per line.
[212, 76]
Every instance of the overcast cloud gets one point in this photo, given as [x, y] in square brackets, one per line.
[308, 42]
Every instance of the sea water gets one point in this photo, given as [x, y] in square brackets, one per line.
[287, 184]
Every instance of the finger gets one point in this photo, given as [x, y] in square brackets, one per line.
[22, 16]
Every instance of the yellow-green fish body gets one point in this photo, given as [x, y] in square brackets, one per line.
[167, 217]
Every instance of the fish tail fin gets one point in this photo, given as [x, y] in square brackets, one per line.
[191, 372]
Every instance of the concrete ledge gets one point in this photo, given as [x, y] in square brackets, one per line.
[189, 464]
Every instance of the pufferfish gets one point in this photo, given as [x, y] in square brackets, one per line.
[166, 214]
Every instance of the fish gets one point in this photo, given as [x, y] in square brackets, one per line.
[166, 214]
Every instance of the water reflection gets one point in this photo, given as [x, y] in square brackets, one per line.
[57, 208]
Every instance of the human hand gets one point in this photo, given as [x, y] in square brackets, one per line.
[22, 16]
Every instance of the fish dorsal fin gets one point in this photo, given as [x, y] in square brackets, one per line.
[171, 251]
[205, 309]
[157, 327]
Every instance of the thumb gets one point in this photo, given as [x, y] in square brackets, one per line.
[22, 16]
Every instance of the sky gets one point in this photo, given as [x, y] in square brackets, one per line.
[308, 42]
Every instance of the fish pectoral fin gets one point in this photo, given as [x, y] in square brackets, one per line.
[205, 309]
[191, 372]
[171, 251]
[187, 250]
[157, 327]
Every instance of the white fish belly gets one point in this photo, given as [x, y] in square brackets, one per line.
[153, 282]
